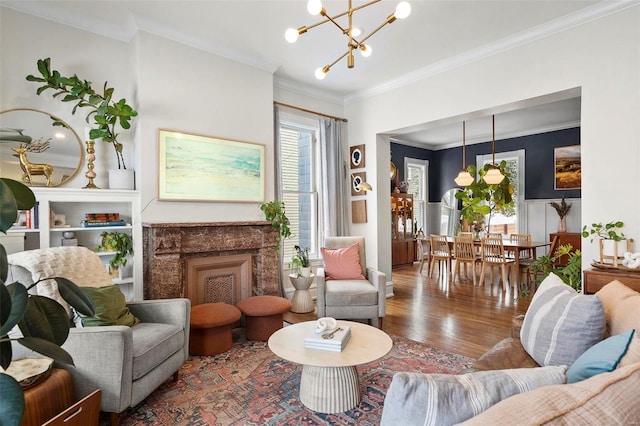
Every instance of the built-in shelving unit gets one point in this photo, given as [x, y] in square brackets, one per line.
[62, 210]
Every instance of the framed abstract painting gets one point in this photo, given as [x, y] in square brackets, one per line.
[194, 167]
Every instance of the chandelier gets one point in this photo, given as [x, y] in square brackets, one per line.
[314, 7]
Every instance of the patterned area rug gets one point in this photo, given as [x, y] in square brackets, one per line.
[249, 385]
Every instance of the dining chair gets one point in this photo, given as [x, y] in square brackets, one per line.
[525, 256]
[465, 234]
[424, 252]
[440, 252]
[492, 254]
[464, 253]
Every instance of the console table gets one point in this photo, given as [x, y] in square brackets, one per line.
[595, 278]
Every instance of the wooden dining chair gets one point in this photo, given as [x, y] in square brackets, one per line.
[492, 254]
[525, 256]
[440, 252]
[424, 253]
[464, 253]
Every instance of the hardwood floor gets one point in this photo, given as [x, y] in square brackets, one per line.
[457, 316]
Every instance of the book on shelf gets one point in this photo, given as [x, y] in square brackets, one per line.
[99, 223]
[102, 216]
[335, 344]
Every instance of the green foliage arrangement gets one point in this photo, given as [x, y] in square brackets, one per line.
[274, 211]
[44, 323]
[571, 273]
[105, 112]
[607, 231]
[118, 242]
[301, 257]
[481, 199]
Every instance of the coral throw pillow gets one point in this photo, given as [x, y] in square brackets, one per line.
[342, 263]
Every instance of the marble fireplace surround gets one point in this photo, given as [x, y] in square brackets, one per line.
[170, 247]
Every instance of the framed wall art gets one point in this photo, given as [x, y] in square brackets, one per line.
[195, 167]
[568, 167]
[356, 153]
[359, 211]
[357, 179]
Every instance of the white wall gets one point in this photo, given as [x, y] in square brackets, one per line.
[171, 85]
[601, 57]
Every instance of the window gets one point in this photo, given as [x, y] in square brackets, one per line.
[416, 174]
[298, 168]
[512, 222]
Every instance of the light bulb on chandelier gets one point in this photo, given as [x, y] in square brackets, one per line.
[464, 178]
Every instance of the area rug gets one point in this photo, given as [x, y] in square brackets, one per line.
[249, 385]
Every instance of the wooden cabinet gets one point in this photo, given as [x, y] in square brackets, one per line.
[564, 238]
[403, 245]
[594, 279]
[69, 207]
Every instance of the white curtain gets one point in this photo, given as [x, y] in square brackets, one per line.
[335, 195]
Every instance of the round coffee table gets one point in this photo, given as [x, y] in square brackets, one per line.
[330, 381]
[301, 302]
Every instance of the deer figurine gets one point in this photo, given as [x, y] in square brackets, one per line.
[34, 169]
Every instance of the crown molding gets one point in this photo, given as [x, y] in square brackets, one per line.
[303, 89]
[547, 29]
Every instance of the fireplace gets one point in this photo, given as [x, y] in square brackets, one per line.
[210, 262]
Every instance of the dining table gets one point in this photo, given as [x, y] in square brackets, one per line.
[509, 246]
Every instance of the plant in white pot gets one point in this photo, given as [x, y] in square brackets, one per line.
[301, 260]
[105, 114]
[613, 242]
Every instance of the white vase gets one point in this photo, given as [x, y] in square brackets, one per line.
[305, 271]
[612, 251]
[121, 179]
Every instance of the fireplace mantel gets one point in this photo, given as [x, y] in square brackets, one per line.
[167, 246]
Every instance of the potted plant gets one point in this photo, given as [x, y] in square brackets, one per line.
[42, 320]
[105, 113]
[121, 244]
[571, 273]
[562, 208]
[301, 260]
[613, 242]
[481, 199]
[274, 211]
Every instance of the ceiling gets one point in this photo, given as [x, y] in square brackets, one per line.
[436, 36]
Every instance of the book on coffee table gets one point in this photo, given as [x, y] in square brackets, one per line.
[336, 343]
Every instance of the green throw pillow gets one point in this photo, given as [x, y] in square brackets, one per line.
[111, 307]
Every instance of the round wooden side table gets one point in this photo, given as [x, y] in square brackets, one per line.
[301, 302]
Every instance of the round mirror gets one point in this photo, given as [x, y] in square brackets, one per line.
[37, 148]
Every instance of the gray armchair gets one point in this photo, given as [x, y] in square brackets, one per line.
[126, 363]
[352, 299]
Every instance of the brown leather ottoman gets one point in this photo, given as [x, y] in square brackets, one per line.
[263, 315]
[211, 328]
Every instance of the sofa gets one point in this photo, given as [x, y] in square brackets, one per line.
[129, 348]
[571, 359]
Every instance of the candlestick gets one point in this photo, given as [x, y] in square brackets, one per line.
[90, 159]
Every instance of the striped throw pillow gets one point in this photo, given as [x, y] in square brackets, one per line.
[446, 399]
[561, 324]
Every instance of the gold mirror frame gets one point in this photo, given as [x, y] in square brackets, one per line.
[393, 172]
[53, 156]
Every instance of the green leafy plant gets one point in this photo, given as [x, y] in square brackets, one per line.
[481, 199]
[301, 257]
[562, 208]
[570, 274]
[274, 211]
[118, 242]
[44, 323]
[607, 231]
[104, 112]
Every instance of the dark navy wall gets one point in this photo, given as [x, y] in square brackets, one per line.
[445, 164]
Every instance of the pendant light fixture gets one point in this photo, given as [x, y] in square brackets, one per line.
[352, 32]
[464, 178]
[493, 176]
